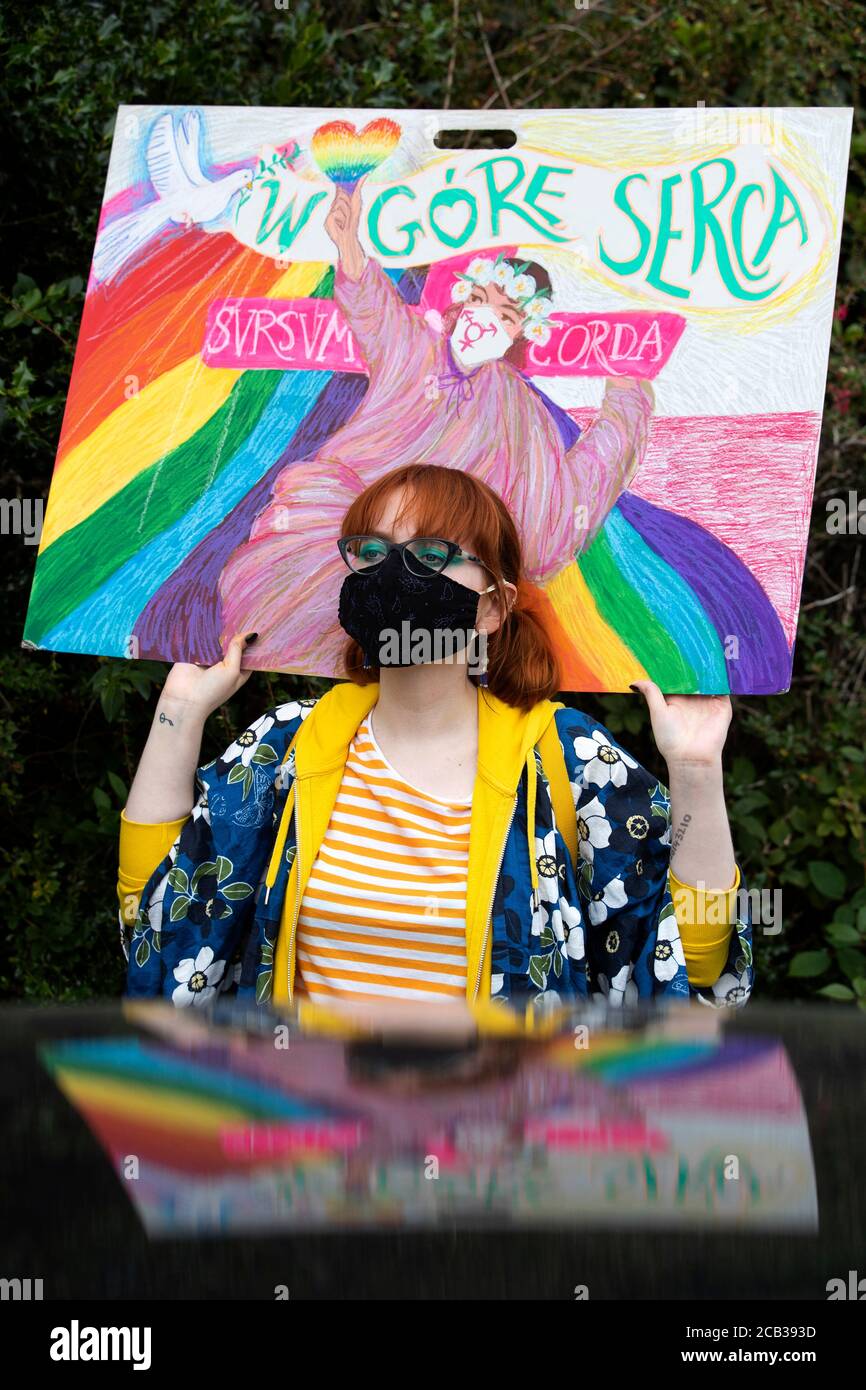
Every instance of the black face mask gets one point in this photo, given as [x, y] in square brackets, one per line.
[375, 605]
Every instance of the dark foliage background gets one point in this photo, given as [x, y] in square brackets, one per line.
[71, 728]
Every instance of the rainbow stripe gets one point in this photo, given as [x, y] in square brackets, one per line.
[172, 1106]
[167, 1106]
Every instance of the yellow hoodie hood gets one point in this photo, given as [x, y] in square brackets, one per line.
[506, 740]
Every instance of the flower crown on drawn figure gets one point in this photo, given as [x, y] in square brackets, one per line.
[534, 303]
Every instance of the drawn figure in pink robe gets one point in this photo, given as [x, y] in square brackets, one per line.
[450, 393]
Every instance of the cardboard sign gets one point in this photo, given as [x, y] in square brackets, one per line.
[620, 322]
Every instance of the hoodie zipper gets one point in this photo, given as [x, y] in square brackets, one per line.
[492, 897]
[297, 908]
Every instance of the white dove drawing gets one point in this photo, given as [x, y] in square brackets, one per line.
[183, 194]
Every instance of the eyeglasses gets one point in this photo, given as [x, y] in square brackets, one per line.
[423, 556]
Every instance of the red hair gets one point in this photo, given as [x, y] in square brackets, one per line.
[522, 664]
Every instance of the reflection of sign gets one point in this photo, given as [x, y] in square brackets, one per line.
[305, 333]
[631, 1132]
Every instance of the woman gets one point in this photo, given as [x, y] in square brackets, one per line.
[451, 394]
[409, 835]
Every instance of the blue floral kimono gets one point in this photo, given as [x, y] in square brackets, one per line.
[210, 913]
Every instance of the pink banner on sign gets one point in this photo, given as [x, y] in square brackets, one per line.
[253, 1142]
[602, 1136]
[292, 334]
[632, 343]
[305, 334]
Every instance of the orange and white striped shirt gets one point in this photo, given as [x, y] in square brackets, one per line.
[384, 911]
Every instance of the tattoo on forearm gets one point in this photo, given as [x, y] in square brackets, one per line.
[164, 719]
[679, 835]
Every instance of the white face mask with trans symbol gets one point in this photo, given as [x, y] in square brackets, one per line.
[478, 336]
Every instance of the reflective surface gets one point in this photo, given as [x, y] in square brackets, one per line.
[699, 1154]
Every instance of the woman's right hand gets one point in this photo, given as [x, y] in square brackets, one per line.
[202, 689]
[164, 787]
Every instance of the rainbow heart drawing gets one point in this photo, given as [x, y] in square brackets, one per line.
[346, 155]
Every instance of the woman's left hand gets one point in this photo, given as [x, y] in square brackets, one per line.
[689, 730]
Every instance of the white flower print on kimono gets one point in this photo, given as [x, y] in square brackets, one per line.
[538, 915]
[148, 920]
[621, 989]
[668, 956]
[245, 745]
[603, 763]
[548, 869]
[198, 979]
[612, 896]
[154, 905]
[593, 829]
[201, 809]
[728, 991]
[567, 924]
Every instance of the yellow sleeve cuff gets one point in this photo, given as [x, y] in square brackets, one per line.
[142, 846]
[705, 918]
